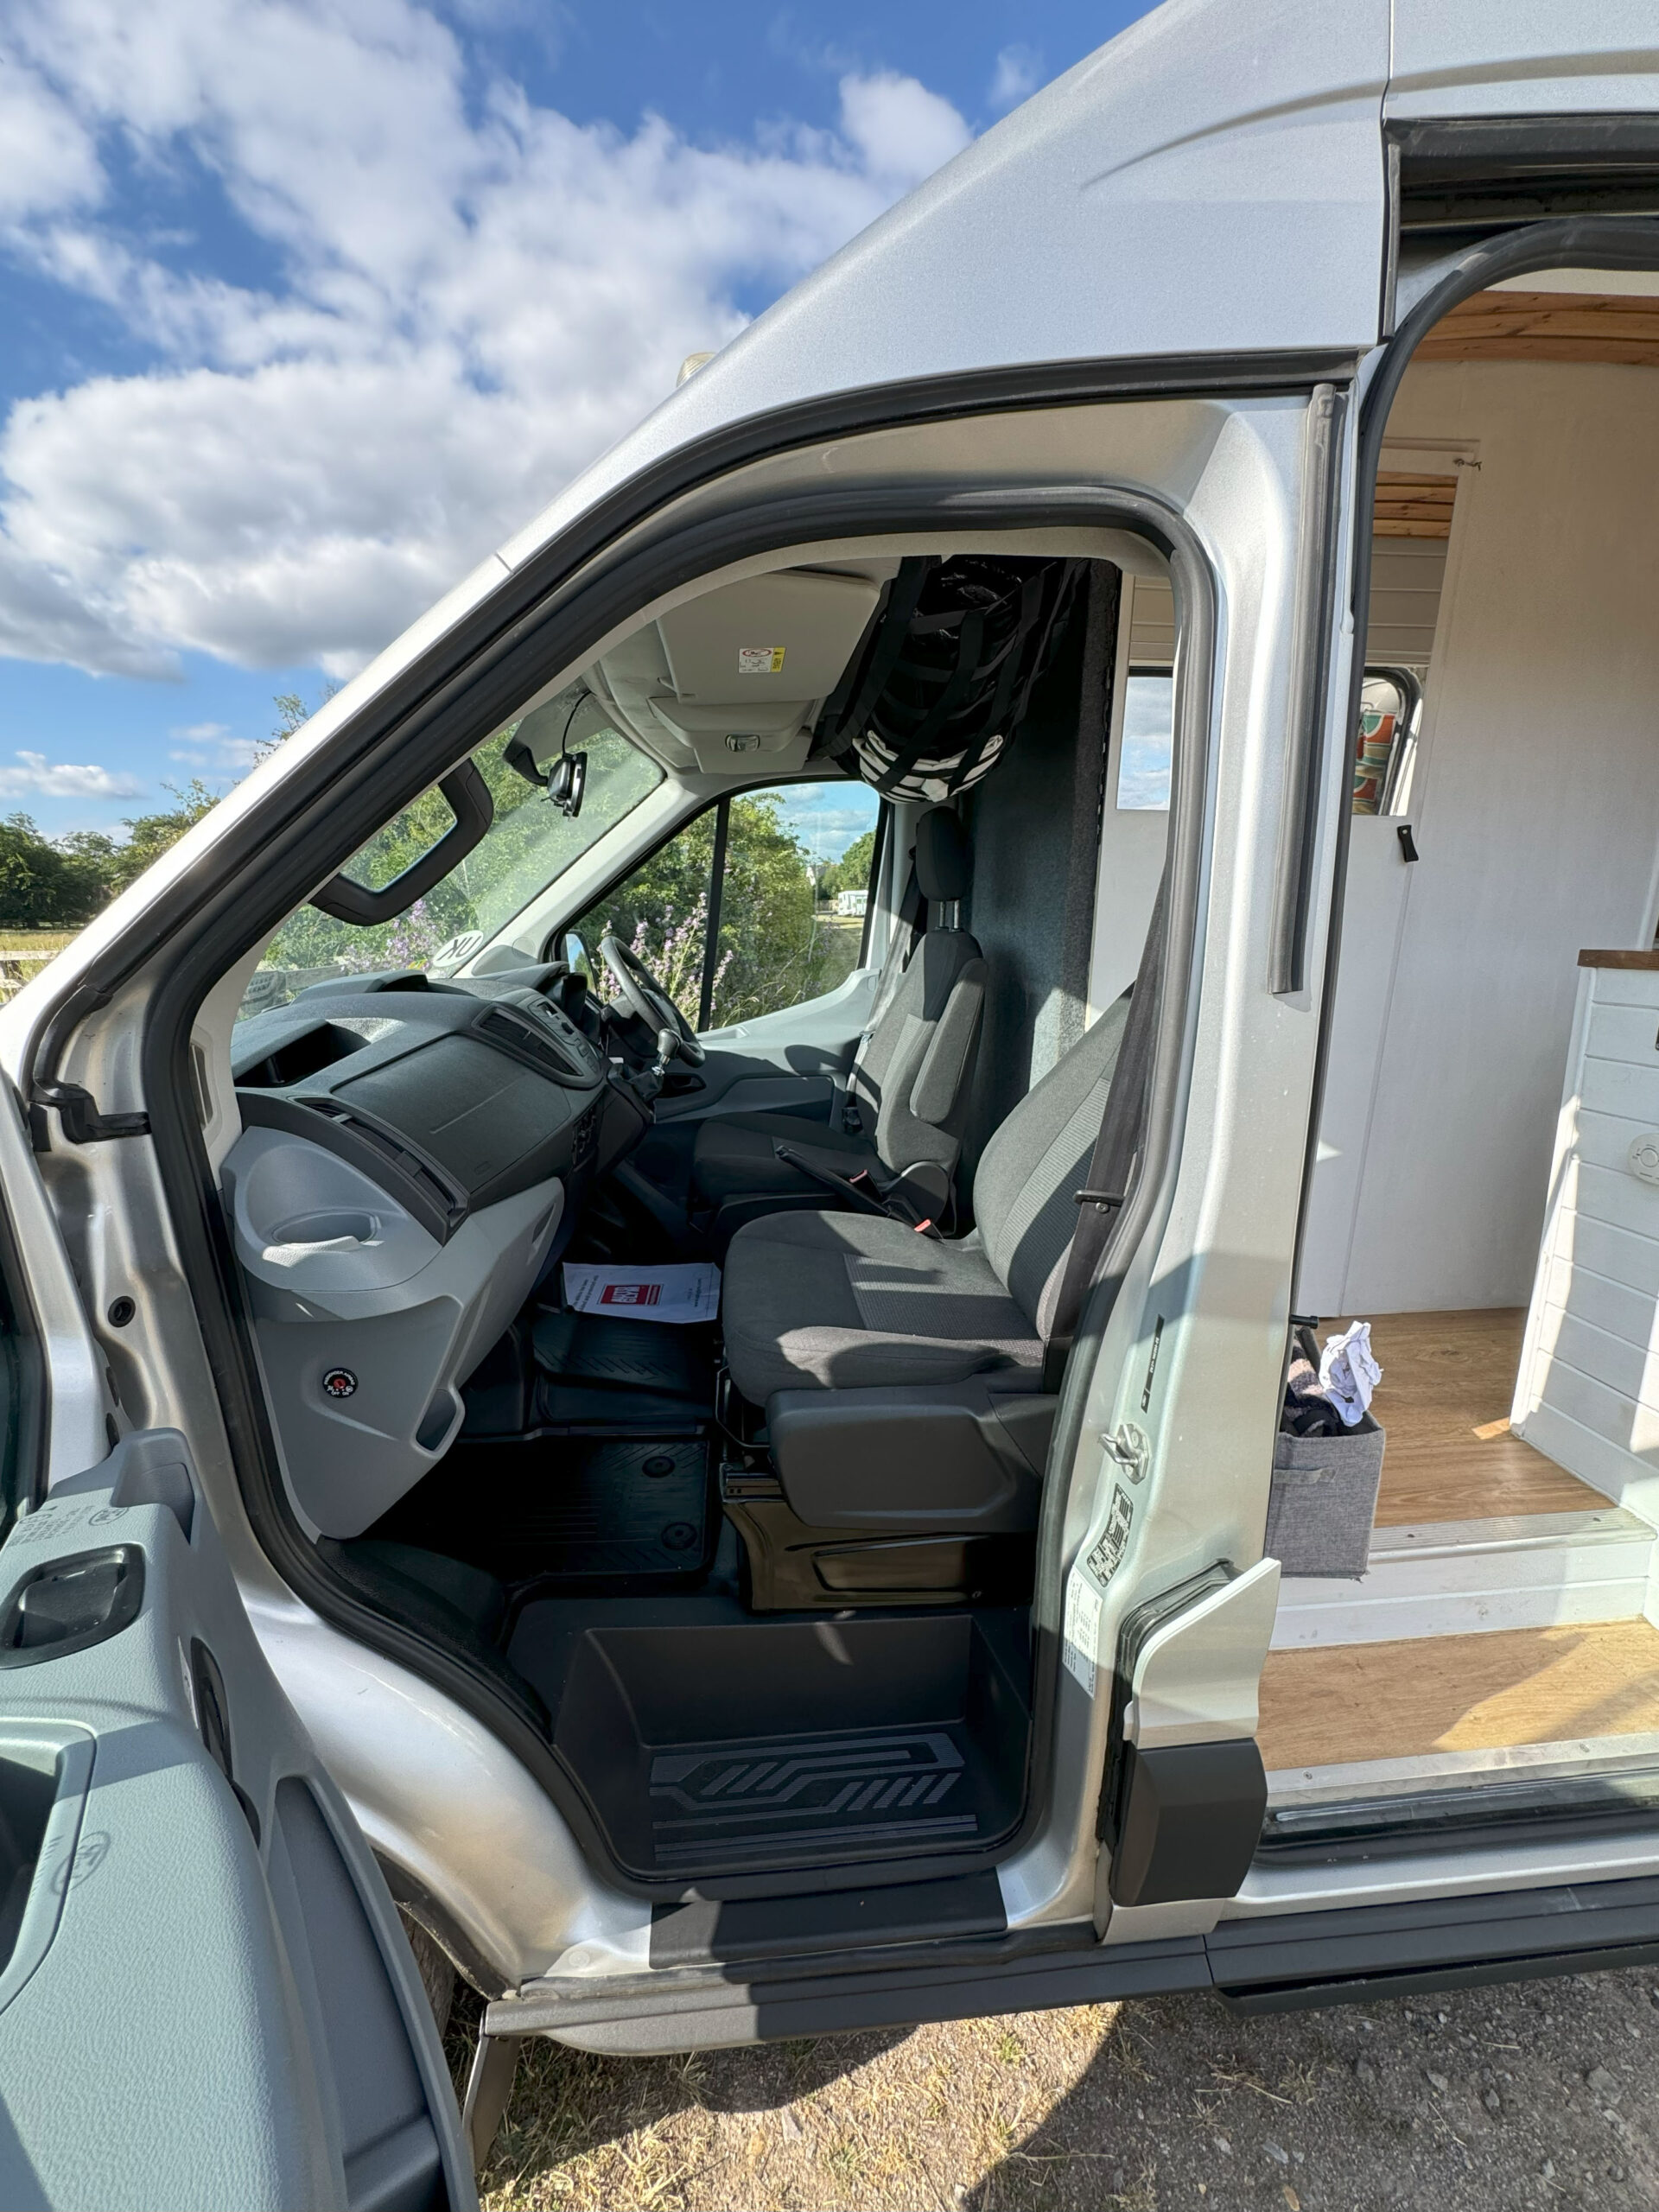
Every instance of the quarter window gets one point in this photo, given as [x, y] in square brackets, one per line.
[755, 906]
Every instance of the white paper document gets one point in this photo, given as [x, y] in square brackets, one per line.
[688, 1292]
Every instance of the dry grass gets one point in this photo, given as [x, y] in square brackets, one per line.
[1462, 2103]
[920, 2118]
[36, 940]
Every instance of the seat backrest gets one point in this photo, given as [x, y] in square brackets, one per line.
[913, 1067]
[1025, 1203]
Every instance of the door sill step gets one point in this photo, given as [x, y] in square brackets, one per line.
[1459, 1577]
[1573, 1759]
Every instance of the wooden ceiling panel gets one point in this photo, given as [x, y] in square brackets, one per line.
[1409, 505]
[1620, 328]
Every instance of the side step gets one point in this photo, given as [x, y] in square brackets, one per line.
[1259, 1962]
[1457, 1578]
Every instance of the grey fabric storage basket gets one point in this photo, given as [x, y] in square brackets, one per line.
[1324, 1500]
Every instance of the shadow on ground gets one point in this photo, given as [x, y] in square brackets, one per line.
[569, 2106]
[1538, 2094]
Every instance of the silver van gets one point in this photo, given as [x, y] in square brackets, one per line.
[679, 1301]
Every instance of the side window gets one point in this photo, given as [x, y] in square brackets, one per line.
[756, 906]
[1149, 741]
[1390, 708]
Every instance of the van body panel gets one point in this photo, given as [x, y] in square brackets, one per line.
[1522, 57]
[1209, 187]
[1210, 182]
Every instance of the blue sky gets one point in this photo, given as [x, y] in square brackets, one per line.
[309, 303]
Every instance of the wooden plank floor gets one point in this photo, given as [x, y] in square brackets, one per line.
[1448, 1380]
[1336, 1702]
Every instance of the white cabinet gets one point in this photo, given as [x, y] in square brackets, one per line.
[1587, 1393]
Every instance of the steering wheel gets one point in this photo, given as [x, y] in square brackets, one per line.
[646, 998]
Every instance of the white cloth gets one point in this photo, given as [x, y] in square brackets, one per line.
[683, 1294]
[1349, 1372]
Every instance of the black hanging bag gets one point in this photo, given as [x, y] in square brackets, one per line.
[941, 678]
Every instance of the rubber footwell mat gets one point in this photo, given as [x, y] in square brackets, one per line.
[878, 1792]
[569, 1511]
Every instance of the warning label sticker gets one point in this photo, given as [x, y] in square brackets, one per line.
[760, 660]
[1104, 1559]
[1082, 1629]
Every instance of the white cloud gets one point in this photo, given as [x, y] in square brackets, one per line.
[48, 161]
[1018, 72]
[903, 131]
[211, 748]
[40, 778]
[477, 296]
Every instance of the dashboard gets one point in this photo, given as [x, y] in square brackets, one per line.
[410, 1150]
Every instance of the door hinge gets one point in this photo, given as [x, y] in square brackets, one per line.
[78, 1112]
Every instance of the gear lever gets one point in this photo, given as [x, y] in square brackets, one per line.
[649, 1084]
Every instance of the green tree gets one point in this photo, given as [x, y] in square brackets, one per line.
[313, 939]
[90, 855]
[772, 950]
[43, 886]
[148, 836]
[852, 871]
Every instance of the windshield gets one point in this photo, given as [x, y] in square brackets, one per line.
[528, 845]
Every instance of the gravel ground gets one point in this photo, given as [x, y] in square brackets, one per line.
[1544, 2092]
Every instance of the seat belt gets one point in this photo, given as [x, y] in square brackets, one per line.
[1117, 1149]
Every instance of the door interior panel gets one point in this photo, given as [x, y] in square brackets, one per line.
[185, 1898]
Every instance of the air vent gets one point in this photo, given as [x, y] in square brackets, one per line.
[516, 1035]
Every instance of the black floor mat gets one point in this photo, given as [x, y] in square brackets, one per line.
[735, 1744]
[805, 1796]
[592, 1372]
[570, 1511]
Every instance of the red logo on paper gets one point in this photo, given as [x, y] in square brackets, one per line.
[631, 1293]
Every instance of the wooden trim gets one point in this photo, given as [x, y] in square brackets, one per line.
[1411, 504]
[1618, 328]
[1643, 960]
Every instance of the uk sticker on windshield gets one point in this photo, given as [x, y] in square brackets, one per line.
[760, 660]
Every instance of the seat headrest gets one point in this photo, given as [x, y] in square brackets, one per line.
[944, 866]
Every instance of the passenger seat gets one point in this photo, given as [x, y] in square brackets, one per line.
[903, 1379]
[908, 1086]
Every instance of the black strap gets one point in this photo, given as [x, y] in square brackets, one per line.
[892, 1203]
[849, 704]
[1111, 1166]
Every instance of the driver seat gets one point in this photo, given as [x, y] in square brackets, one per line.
[908, 1087]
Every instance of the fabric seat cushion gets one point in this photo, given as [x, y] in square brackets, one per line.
[1026, 1185]
[734, 1155]
[851, 1301]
